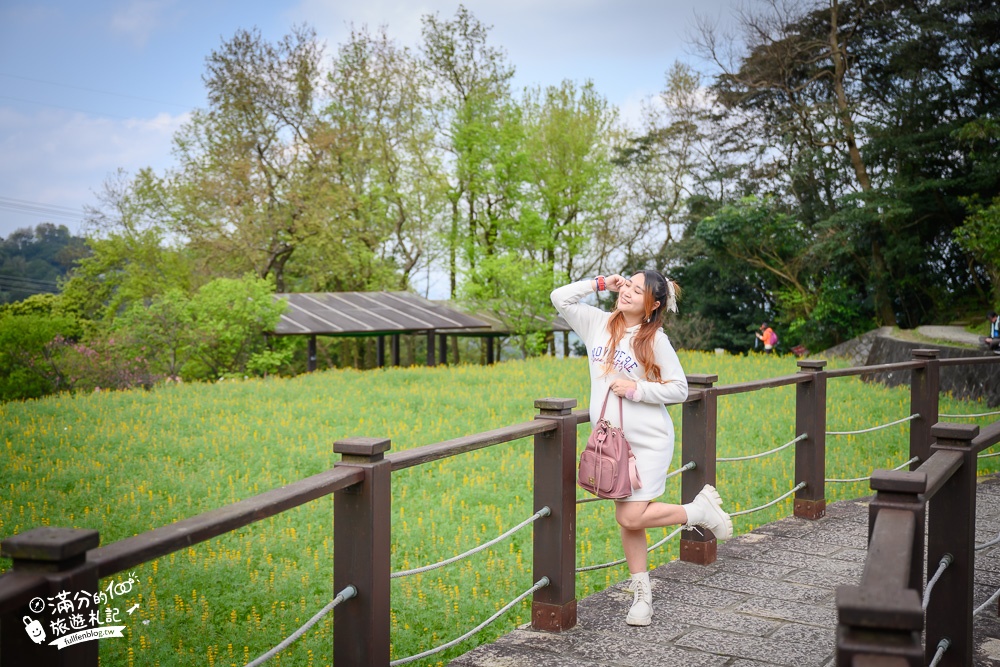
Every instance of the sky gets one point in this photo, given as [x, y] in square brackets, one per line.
[87, 88]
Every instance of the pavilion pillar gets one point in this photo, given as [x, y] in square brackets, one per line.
[395, 349]
[443, 349]
[489, 350]
[311, 363]
[430, 348]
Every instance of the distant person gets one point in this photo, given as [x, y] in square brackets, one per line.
[767, 336]
[631, 357]
[992, 342]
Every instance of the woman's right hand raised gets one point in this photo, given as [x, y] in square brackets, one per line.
[614, 283]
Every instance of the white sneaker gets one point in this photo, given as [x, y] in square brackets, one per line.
[708, 504]
[641, 612]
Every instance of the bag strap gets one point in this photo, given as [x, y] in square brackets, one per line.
[605, 406]
[621, 413]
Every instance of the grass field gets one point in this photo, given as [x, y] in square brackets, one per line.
[126, 462]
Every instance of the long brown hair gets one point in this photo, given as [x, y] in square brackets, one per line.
[656, 290]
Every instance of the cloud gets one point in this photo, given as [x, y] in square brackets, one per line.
[139, 18]
[61, 158]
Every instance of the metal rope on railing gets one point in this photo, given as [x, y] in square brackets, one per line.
[770, 451]
[800, 485]
[946, 560]
[981, 414]
[865, 479]
[541, 583]
[996, 540]
[942, 646]
[346, 594]
[588, 568]
[545, 511]
[993, 598]
[986, 456]
[875, 428]
[690, 465]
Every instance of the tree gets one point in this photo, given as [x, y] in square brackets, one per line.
[380, 109]
[660, 168]
[472, 81]
[229, 318]
[33, 260]
[253, 183]
[129, 259]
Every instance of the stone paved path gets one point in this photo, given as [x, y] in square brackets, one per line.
[954, 334]
[767, 600]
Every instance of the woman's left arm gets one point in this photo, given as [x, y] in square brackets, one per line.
[674, 387]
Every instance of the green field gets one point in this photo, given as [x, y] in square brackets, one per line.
[126, 462]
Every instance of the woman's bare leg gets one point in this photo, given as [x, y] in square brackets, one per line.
[642, 515]
[634, 518]
[634, 546]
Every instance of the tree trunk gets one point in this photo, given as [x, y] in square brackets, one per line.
[843, 110]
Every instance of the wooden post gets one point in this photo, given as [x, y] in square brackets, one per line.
[430, 347]
[924, 387]
[443, 349]
[698, 433]
[553, 608]
[951, 528]
[311, 362]
[60, 555]
[489, 350]
[380, 352]
[810, 453]
[395, 349]
[361, 552]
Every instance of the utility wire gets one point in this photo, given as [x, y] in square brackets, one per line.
[39, 208]
[29, 281]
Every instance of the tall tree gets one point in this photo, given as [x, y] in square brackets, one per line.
[380, 109]
[472, 82]
[252, 184]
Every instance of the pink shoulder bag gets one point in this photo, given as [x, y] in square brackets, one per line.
[607, 465]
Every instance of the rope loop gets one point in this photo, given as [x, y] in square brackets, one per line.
[545, 511]
[800, 485]
[349, 592]
[770, 451]
[946, 560]
[588, 568]
[541, 583]
[865, 479]
[915, 415]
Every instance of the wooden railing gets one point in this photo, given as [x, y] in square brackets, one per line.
[47, 560]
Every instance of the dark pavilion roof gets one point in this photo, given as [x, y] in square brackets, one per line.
[364, 313]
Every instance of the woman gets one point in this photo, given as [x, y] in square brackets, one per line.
[631, 356]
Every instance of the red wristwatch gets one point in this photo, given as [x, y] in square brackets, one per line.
[601, 285]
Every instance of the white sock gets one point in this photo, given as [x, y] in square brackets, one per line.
[694, 512]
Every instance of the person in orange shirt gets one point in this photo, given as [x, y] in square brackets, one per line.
[768, 337]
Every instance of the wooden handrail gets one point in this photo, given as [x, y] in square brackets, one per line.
[939, 468]
[890, 550]
[878, 368]
[755, 385]
[132, 551]
[469, 443]
[988, 436]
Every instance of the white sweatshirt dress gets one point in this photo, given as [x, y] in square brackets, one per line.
[648, 426]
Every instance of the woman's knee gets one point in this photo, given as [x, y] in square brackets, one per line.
[629, 518]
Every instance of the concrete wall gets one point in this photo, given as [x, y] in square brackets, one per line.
[971, 381]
